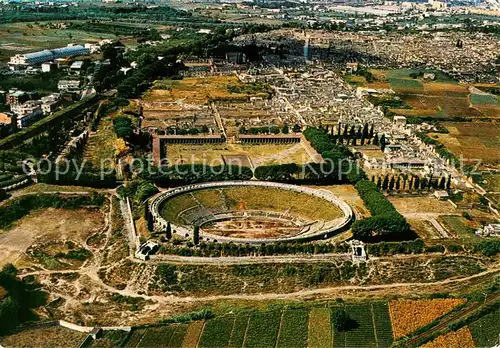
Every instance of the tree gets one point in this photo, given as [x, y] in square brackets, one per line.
[391, 183]
[365, 131]
[296, 128]
[346, 130]
[382, 142]
[375, 139]
[196, 235]
[417, 183]
[343, 322]
[385, 183]
[442, 183]
[150, 221]
[285, 129]
[168, 232]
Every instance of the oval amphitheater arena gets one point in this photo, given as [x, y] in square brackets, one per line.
[252, 212]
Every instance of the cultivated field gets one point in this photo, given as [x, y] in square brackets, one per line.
[454, 339]
[409, 315]
[442, 98]
[485, 330]
[473, 141]
[28, 37]
[246, 155]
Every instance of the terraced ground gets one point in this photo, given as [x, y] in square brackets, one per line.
[249, 198]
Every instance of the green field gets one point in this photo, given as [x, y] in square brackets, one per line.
[373, 327]
[456, 224]
[485, 331]
[401, 80]
[262, 330]
[484, 99]
[28, 37]
[294, 327]
[217, 332]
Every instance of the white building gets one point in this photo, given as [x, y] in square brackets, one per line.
[26, 108]
[50, 103]
[48, 67]
[76, 68]
[69, 86]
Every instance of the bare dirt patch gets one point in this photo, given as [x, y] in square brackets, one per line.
[48, 225]
[253, 228]
[411, 205]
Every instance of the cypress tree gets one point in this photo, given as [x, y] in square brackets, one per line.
[391, 183]
[196, 235]
[365, 130]
[150, 222]
[168, 233]
[385, 184]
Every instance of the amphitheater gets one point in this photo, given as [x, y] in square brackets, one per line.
[252, 212]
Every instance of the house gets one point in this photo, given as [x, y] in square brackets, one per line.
[352, 67]
[5, 119]
[16, 97]
[25, 108]
[48, 67]
[76, 67]
[27, 119]
[399, 120]
[50, 103]
[69, 86]
[491, 230]
[429, 76]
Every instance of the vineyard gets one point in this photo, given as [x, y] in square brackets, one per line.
[305, 327]
[410, 315]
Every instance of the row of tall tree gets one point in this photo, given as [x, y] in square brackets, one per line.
[411, 183]
[385, 222]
